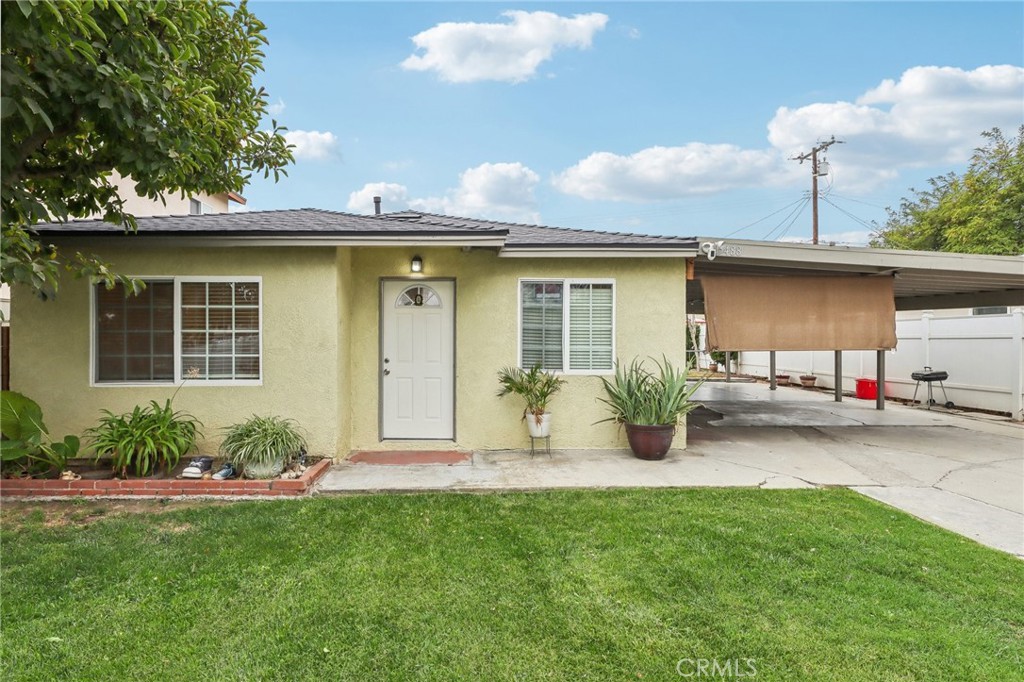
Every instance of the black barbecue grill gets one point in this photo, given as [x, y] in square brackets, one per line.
[930, 376]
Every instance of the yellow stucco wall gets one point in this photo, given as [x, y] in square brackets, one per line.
[50, 345]
[650, 321]
[321, 343]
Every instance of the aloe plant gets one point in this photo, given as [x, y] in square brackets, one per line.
[146, 439]
[535, 386]
[639, 396]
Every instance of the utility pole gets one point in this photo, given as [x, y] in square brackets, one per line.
[815, 172]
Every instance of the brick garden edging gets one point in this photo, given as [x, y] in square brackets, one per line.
[173, 487]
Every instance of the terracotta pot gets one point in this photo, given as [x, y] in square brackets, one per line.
[650, 442]
[808, 380]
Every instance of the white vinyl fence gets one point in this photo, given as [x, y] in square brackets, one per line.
[983, 354]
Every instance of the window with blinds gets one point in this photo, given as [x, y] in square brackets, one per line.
[220, 330]
[567, 325]
[590, 327]
[215, 335]
[542, 325]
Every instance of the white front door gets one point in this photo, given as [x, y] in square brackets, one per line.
[417, 359]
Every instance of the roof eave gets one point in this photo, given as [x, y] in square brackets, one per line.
[594, 251]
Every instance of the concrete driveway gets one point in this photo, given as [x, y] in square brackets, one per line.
[962, 473]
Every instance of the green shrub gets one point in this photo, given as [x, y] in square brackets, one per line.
[262, 443]
[26, 442]
[146, 439]
[638, 396]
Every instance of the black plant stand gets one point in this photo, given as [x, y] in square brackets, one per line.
[533, 444]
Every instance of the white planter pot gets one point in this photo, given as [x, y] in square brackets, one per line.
[542, 430]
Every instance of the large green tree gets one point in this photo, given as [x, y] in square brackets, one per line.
[981, 211]
[160, 91]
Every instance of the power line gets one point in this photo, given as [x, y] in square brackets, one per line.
[793, 215]
[850, 215]
[760, 220]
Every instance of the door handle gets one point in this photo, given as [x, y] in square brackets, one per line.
[387, 372]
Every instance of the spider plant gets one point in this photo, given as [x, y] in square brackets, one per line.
[262, 444]
[146, 439]
[535, 386]
[640, 396]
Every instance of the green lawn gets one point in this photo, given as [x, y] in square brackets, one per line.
[808, 584]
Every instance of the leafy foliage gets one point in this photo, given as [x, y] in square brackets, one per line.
[146, 439]
[23, 444]
[262, 440]
[638, 396]
[980, 212]
[535, 386]
[159, 91]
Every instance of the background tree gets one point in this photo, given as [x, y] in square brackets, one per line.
[979, 212]
[160, 91]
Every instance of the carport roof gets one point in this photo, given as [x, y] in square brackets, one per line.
[923, 279]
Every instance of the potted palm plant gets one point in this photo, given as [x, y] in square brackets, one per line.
[536, 387]
[649, 405]
[261, 446]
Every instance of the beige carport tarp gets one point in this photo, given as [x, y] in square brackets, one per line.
[799, 313]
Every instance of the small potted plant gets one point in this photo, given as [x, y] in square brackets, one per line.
[808, 380]
[782, 378]
[717, 359]
[261, 446]
[649, 405]
[536, 387]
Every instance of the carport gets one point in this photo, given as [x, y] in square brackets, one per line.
[774, 296]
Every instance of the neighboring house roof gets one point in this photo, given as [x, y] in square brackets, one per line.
[309, 226]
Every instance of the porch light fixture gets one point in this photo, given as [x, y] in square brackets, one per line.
[417, 264]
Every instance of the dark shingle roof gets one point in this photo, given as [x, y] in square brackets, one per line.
[301, 221]
[542, 236]
[317, 222]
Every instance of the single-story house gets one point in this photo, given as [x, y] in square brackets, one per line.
[373, 332]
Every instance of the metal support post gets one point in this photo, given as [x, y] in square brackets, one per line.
[772, 383]
[839, 376]
[880, 374]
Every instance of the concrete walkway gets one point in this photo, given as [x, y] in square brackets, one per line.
[964, 474]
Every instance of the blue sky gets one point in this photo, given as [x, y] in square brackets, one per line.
[664, 118]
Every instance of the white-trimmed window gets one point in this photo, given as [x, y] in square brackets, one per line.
[567, 325]
[205, 329]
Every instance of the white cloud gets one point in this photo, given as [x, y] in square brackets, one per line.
[394, 197]
[468, 52]
[312, 144]
[667, 172]
[496, 191]
[277, 107]
[930, 117]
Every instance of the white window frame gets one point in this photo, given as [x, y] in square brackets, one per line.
[566, 282]
[177, 281]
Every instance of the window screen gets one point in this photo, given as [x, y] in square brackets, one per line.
[135, 334]
[220, 330]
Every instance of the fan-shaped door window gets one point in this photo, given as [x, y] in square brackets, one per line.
[418, 296]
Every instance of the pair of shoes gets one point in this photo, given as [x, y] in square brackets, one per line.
[227, 470]
[197, 467]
